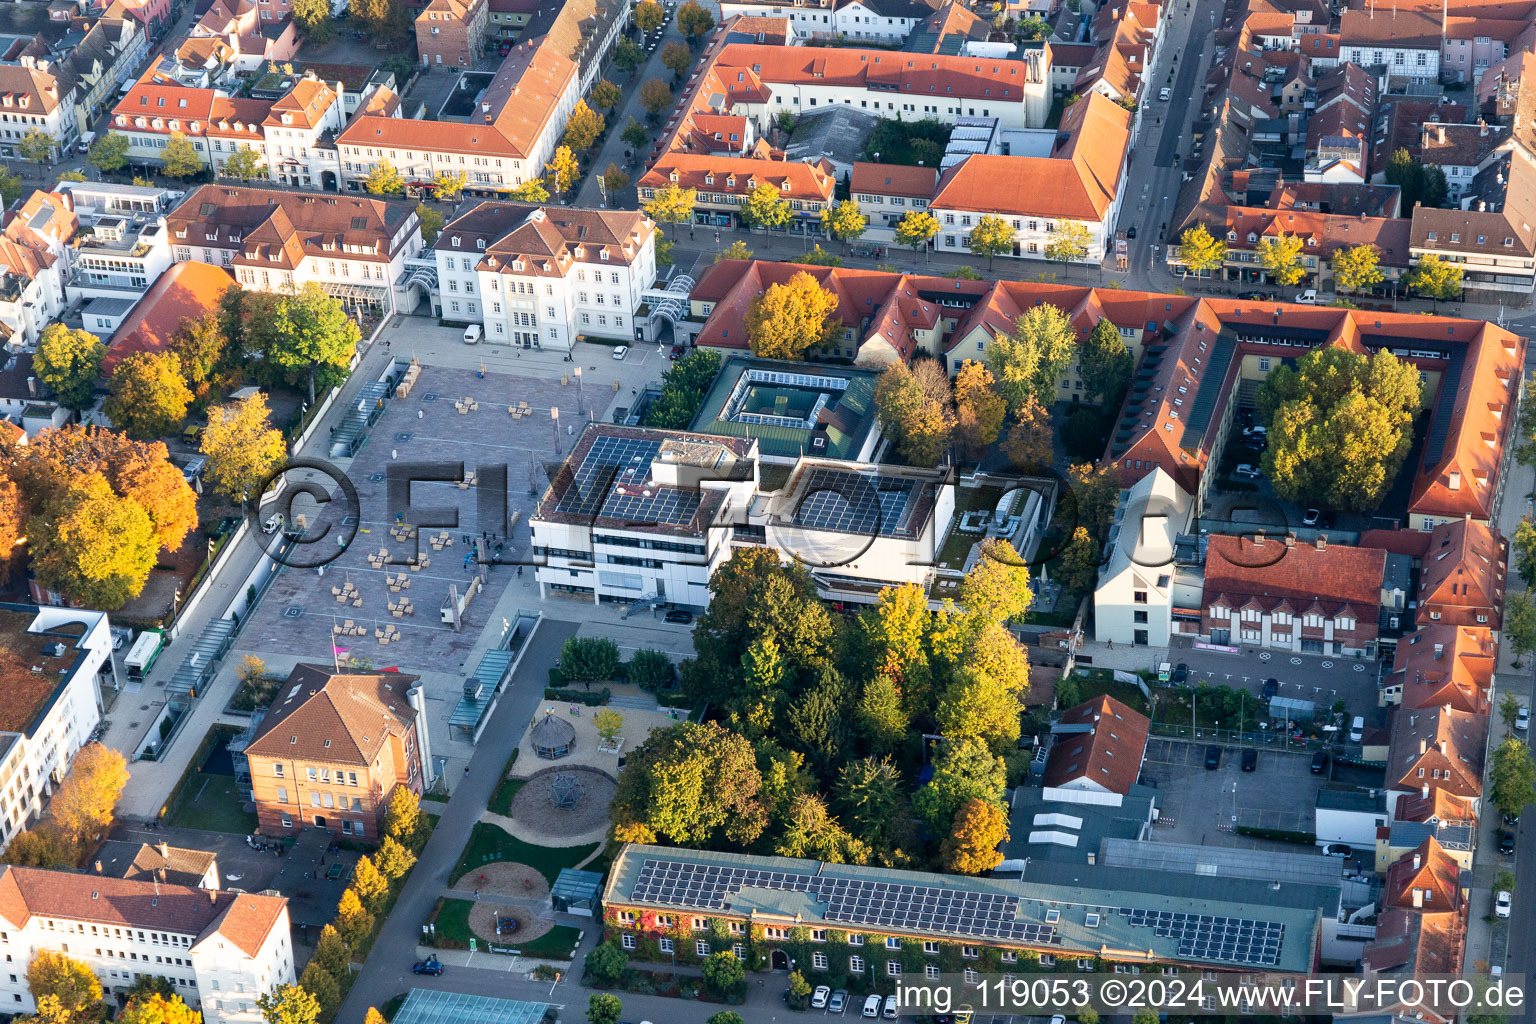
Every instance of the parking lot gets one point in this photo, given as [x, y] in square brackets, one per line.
[1321, 680]
[1200, 805]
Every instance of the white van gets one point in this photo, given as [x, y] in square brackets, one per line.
[1308, 297]
[472, 334]
[890, 1008]
[86, 138]
[1356, 729]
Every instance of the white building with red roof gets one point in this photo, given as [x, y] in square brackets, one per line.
[220, 951]
[1096, 752]
[34, 244]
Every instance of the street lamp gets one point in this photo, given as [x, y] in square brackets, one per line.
[581, 405]
[554, 419]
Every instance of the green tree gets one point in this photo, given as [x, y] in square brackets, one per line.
[607, 963]
[311, 337]
[1509, 710]
[676, 58]
[963, 770]
[394, 860]
[655, 96]
[604, 1008]
[976, 705]
[313, 18]
[693, 783]
[799, 991]
[68, 363]
[997, 587]
[583, 127]
[589, 660]
[1029, 442]
[1199, 252]
[971, 847]
[319, 982]
[870, 796]
[916, 229]
[605, 95]
[1419, 184]
[635, 135]
[991, 237]
[384, 180]
[10, 186]
[919, 423]
[1519, 623]
[766, 207]
[1106, 364]
[1068, 242]
[1513, 777]
[1280, 256]
[531, 191]
[1079, 562]
[1523, 545]
[1095, 491]
[672, 204]
[819, 257]
[92, 544]
[146, 395]
[1340, 425]
[1145, 1017]
[180, 158]
[431, 222]
[288, 1004]
[241, 446]
[723, 972]
[648, 16]
[979, 409]
[331, 953]
[40, 847]
[70, 981]
[1504, 881]
[1357, 268]
[1029, 363]
[1033, 27]
[694, 21]
[245, 163]
[844, 222]
[737, 250]
[628, 55]
[792, 317]
[108, 152]
[682, 390]
[812, 832]
[725, 1017]
[651, 670]
[1436, 279]
[37, 146]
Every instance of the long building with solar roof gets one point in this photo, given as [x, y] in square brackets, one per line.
[1068, 915]
[638, 515]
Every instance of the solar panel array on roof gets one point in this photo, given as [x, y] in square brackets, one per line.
[1207, 937]
[852, 503]
[611, 482]
[1212, 383]
[907, 907]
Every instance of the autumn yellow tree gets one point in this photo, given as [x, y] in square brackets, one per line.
[353, 920]
[1029, 441]
[978, 409]
[790, 318]
[147, 395]
[241, 446]
[93, 544]
[72, 983]
[372, 887]
[563, 170]
[972, 846]
[583, 127]
[82, 806]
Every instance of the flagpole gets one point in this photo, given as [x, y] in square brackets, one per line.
[335, 658]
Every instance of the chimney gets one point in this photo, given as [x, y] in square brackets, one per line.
[1440, 131]
[32, 386]
[1417, 861]
[1482, 128]
[1445, 748]
[1322, 542]
[1258, 538]
[1290, 539]
[213, 897]
[165, 850]
[98, 868]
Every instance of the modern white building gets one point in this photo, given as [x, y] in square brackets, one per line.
[647, 515]
[34, 263]
[62, 656]
[119, 256]
[543, 276]
[220, 950]
[1135, 596]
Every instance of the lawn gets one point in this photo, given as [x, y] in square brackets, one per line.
[211, 802]
[1093, 682]
[451, 918]
[555, 944]
[958, 545]
[501, 800]
[489, 843]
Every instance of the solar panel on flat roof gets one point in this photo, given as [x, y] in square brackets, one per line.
[852, 503]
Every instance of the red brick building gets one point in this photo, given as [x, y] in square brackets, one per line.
[452, 32]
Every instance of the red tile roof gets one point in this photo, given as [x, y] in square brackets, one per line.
[994, 79]
[739, 175]
[893, 180]
[1242, 571]
[1446, 665]
[1435, 805]
[1462, 576]
[1108, 755]
[1441, 748]
[185, 292]
[339, 718]
[1426, 879]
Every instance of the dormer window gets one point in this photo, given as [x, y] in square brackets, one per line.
[480, 243]
[1232, 236]
[1252, 237]
[709, 179]
[455, 241]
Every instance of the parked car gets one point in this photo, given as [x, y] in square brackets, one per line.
[273, 524]
[890, 1008]
[676, 353]
[872, 1006]
[1312, 517]
[1256, 296]
[820, 996]
[1130, 232]
[1308, 297]
[1250, 759]
[838, 1002]
[1356, 729]
[1337, 850]
[1164, 93]
[1319, 762]
[1501, 903]
[1523, 719]
[1271, 688]
[433, 966]
[621, 352]
[1511, 820]
[1212, 757]
[472, 334]
[1180, 674]
[1506, 842]
[1248, 471]
[678, 615]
